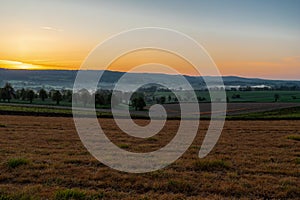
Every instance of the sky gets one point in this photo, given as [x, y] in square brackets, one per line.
[249, 38]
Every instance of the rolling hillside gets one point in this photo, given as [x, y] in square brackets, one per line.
[58, 79]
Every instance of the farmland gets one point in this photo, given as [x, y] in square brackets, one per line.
[246, 96]
[233, 96]
[273, 110]
[43, 158]
[149, 100]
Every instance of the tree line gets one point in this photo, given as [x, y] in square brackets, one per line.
[101, 98]
[8, 92]
[83, 97]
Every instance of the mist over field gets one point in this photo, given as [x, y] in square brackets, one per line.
[64, 79]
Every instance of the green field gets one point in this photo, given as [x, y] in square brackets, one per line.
[264, 96]
[245, 96]
[50, 108]
[38, 101]
[34, 109]
[282, 114]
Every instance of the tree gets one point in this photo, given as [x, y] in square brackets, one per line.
[85, 96]
[227, 99]
[99, 98]
[50, 93]
[276, 97]
[23, 94]
[115, 100]
[175, 99]
[201, 98]
[57, 96]
[138, 100]
[236, 96]
[162, 100]
[169, 98]
[1, 91]
[43, 94]
[7, 92]
[67, 95]
[138, 103]
[30, 95]
[75, 97]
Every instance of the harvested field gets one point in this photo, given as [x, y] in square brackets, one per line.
[173, 110]
[233, 108]
[43, 158]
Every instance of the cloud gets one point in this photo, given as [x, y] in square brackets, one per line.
[48, 28]
[10, 62]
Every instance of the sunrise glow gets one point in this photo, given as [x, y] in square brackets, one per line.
[8, 64]
[241, 37]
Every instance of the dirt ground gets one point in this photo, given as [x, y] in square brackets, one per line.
[252, 160]
[232, 108]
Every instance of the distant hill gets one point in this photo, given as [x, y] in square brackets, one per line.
[58, 79]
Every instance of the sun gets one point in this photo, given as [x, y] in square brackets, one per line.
[27, 66]
[9, 64]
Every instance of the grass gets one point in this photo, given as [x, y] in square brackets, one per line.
[246, 96]
[29, 109]
[49, 102]
[238, 167]
[294, 137]
[177, 186]
[284, 114]
[264, 96]
[123, 146]
[70, 194]
[38, 101]
[211, 165]
[17, 197]
[16, 162]
[76, 194]
[46, 111]
[152, 139]
[5, 197]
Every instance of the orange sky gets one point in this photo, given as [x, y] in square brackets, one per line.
[244, 38]
[288, 66]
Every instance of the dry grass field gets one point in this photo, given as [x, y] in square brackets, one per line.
[43, 158]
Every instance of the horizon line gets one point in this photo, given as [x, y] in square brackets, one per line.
[235, 75]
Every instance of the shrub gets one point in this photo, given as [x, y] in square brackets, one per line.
[15, 162]
[69, 194]
[97, 196]
[74, 162]
[152, 139]
[2, 126]
[5, 197]
[294, 137]
[19, 196]
[297, 161]
[210, 165]
[123, 146]
[177, 186]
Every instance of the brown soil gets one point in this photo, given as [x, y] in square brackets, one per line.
[252, 160]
